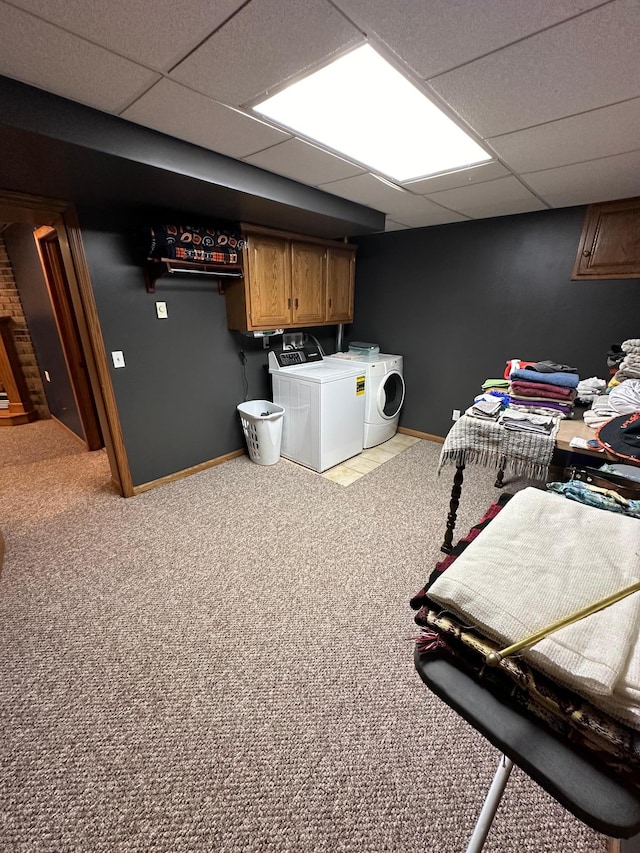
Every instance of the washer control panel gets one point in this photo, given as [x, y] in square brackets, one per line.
[294, 357]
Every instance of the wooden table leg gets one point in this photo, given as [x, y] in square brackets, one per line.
[499, 483]
[456, 491]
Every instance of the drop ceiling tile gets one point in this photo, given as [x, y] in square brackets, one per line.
[459, 178]
[369, 190]
[263, 45]
[390, 225]
[571, 140]
[584, 183]
[156, 35]
[492, 198]
[435, 216]
[172, 109]
[435, 37]
[303, 162]
[550, 75]
[42, 55]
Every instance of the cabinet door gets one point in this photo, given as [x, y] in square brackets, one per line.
[610, 242]
[269, 281]
[340, 280]
[308, 283]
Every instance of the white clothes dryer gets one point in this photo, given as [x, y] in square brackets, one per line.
[384, 395]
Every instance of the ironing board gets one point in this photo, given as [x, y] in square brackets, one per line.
[608, 803]
[592, 795]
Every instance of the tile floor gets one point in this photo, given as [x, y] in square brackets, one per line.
[356, 467]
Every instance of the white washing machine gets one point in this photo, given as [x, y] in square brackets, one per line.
[385, 393]
[324, 406]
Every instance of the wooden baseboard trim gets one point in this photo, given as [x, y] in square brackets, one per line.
[426, 435]
[187, 472]
[613, 845]
[8, 418]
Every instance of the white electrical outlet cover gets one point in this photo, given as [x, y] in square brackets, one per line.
[118, 358]
[161, 310]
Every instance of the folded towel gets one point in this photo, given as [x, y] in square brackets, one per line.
[494, 383]
[530, 404]
[542, 389]
[631, 344]
[564, 380]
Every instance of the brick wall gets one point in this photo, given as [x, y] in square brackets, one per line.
[11, 306]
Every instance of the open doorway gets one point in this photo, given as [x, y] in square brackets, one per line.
[57, 283]
[54, 228]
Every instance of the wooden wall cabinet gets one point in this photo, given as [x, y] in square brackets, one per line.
[610, 242]
[291, 281]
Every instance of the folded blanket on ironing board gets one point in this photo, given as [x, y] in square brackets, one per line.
[564, 380]
[541, 559]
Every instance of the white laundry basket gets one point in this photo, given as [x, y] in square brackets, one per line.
[262, 426]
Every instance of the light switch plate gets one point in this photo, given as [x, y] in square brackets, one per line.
[118, 358]
[161, 310]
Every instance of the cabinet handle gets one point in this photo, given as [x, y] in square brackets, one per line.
[289, 302]
[296, 302]
[329, 303]
[586, 253]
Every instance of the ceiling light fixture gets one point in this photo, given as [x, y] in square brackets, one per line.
[361, 107]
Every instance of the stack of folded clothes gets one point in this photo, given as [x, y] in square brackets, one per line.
[630, 365]
[622, 399]
[495, 388]
[486, 407]
[589, 389]
[521, 422]
[544, 388]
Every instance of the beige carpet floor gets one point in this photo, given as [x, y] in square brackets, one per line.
[225, 664]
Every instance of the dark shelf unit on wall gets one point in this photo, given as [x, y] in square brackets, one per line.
[156, 268]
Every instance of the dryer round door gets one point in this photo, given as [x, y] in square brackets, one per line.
[390, 395]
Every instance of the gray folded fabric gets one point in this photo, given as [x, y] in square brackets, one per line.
[547, 366]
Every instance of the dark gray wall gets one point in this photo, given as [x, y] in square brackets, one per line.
[457, 301]
[42, 325]
[183, 378]
[177, 394]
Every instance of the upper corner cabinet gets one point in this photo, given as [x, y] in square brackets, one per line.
[291, 281]
[341, 273]
[610, 242]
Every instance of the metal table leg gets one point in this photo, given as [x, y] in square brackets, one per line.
[490, 806]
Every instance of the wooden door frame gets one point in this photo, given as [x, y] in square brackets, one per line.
[48, 248]
[61, 215]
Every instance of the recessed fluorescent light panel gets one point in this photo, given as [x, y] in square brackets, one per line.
[362, 108]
